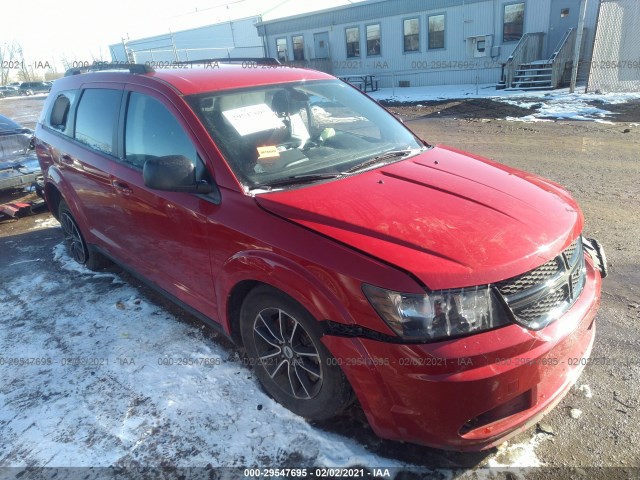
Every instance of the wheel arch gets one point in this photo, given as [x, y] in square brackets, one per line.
[53, 198]
[250, 269]
[56, 190]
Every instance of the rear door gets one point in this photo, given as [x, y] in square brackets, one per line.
[83, 146]
[163, 233]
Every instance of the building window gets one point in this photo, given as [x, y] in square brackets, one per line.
[436, 32]
[513, 23]
[281, 48]
[298, 47]
[411, 32]
[373, 39]
[564, 13]
[353, 42]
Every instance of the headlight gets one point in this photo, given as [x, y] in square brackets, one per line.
[440, 314]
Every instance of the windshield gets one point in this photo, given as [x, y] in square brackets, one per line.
[299, 132]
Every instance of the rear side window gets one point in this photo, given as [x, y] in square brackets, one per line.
[59, 115]
[97, 118]
[153, 131]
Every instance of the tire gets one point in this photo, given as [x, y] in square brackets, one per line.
[76, 245]
[282, 341]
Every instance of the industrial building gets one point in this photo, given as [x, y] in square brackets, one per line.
[434, 42]
[519, 44]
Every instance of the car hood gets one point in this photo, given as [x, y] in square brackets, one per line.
[449, 218]
[19, 163]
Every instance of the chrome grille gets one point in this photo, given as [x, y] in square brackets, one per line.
[543, 294]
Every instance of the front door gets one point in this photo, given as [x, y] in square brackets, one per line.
[564, 15]
[321, 44]
[164, 233]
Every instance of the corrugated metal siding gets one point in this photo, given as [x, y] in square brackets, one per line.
[238, 38]
[117, 53]
[361, 12]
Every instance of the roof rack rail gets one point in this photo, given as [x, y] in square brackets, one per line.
[99, 66]
[257, 60]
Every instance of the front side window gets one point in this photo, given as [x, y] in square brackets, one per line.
[298, 47]
[152, 131]
[436, 32]
[281, 48]
[281, 133]
[373, 39]
[513, 26]
[97, 118]
[411, 31]
[353, 42]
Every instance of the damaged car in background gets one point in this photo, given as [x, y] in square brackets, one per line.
[452, 296]
[19, 165]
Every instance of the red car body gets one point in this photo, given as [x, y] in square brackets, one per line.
[443, 219]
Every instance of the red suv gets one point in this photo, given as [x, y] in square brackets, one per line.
[454, 297]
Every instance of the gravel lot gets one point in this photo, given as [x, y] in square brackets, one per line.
[599, 163]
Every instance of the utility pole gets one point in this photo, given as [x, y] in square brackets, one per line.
[578, 46]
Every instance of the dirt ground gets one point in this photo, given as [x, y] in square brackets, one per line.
[600, 165]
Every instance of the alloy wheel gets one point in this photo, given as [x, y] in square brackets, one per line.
[287, 353]
[72, 238]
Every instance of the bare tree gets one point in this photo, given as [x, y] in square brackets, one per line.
[8, 61]
[25, 72]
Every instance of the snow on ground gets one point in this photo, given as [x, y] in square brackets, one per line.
[518, 455]
[556, 104]
[48, 222]
[94, 375]
[107, 378]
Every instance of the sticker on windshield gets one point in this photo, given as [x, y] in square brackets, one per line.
[253, 119]
[268, 152]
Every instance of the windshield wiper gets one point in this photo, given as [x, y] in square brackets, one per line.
[381, 158]
[295, 179]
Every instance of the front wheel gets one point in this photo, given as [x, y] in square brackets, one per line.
[282, 341]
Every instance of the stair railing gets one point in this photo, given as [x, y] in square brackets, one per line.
[529, 48]
[562, 57]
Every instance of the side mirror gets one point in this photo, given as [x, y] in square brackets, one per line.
[173, 173]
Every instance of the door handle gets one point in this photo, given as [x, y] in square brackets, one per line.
[122, 187]
[66, 159]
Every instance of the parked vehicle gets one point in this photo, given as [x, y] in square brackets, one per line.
[454, 297]
[19, 165]
[8, 91]
[31, 88]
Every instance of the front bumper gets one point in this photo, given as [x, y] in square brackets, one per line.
[471, 393]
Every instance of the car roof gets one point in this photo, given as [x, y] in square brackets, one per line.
[211, 78]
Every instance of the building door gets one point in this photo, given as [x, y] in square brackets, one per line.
[321, 44]
[564, 15]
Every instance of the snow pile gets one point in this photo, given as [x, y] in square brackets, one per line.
[564, 106]
[556, 104]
